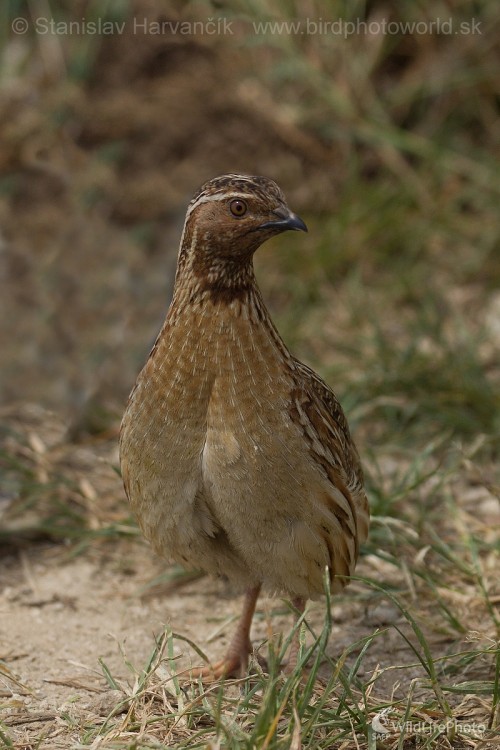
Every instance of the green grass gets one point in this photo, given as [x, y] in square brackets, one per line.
[49, 496]
[306, 709]
[391, 297]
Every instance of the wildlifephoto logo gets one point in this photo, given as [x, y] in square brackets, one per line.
[383, 726]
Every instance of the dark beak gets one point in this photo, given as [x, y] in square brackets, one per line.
[285, 219]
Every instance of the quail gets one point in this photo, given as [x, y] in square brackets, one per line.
[237, 458]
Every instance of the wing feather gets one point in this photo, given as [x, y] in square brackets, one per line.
[318, 412]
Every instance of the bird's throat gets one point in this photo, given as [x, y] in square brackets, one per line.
[215, 279]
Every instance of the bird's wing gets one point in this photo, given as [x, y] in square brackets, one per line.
[323, 421]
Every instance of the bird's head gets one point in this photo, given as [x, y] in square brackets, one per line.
[227, 220]
[233, 214]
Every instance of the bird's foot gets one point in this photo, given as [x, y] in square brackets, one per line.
[220, 670]
[234, 664]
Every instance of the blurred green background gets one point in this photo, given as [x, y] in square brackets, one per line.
[380, 120]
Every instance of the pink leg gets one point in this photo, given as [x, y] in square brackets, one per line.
[235, 662]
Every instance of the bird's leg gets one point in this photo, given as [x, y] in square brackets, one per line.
[235, 662]
[299, 606]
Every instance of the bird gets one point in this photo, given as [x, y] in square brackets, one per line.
[236, 457]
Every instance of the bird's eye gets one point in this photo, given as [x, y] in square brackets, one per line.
[238, 208]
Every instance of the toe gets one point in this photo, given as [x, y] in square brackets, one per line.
[229, 667]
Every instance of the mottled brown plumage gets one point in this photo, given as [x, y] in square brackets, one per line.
[236, 457]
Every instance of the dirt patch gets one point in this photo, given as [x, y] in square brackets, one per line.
[96, 176]
[66, 621]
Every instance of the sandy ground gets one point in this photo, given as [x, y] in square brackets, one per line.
[59, 619]
[101, 174]
[68, 608]
[64, 612]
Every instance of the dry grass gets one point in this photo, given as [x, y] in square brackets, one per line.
[389, 146]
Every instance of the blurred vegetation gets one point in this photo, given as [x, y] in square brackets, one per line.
[410, 125]
[388, 144]
[395, 165]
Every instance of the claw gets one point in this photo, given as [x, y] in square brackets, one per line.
[230, 666]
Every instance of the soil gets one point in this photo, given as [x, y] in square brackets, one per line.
[66, 610]
[71, 613]
[98, 177]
